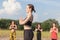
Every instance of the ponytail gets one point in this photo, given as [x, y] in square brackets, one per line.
[32, 7]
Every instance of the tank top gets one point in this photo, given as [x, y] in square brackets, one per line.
[54, 35]
[29, 23]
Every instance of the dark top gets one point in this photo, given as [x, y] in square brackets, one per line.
[29, 23]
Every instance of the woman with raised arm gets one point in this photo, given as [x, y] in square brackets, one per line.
[27, 22]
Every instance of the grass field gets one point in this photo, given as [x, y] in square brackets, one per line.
[4, 35]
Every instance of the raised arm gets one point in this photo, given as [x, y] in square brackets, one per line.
[50, 30]
[22, 22]
[56, 30]
[10, 27]
[15, 27]
[41, 30]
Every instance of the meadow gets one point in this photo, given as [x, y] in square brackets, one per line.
[4, 35]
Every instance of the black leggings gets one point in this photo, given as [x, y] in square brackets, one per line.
[54, 39]
[38, 35]
[28, 34]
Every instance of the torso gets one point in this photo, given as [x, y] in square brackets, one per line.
[54, 34]
[28, 24]
[39, 30]
[27, 27]
[12, 26]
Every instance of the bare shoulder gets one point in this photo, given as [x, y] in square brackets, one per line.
[51, 28]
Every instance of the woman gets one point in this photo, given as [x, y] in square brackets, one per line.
[54, 32]
[27, 22]
[13, 28]
[39, 30]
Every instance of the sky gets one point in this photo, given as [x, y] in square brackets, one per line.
[45, 9]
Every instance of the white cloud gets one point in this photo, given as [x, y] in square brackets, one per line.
[1, 11]
[10, 6]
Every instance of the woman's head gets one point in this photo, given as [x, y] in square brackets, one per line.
[30, 8]
[12, 22]
[53, 25]
[38, 25]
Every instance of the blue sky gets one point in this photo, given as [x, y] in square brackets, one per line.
[45, 9]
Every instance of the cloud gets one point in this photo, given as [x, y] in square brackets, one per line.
[1, 11]
[10, 6]
[31, 0]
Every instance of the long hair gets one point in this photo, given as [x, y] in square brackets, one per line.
[32, 7]
[55, 25]
[37, 25]
[12, 21]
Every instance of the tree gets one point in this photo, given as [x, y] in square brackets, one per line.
[46, 25]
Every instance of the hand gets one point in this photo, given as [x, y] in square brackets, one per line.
[12, 30]
[21, 19]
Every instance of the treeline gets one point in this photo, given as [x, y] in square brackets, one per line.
[46, 25]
